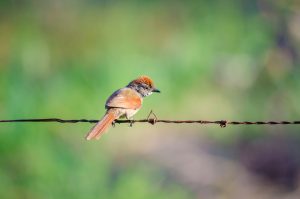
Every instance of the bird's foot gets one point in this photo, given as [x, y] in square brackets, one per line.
[113, 123]
[131, 122]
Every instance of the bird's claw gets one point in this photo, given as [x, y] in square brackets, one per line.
[113, 123]
[131, 122]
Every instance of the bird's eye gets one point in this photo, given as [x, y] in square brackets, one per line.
[145, 86]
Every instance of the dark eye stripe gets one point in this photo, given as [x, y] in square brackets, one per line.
[145, 86]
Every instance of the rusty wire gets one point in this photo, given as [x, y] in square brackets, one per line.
[222, 123]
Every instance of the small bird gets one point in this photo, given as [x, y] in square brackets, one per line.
[126, 102]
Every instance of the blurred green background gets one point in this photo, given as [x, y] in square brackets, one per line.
[212, 60]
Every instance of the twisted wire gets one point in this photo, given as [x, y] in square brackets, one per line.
[222, 123]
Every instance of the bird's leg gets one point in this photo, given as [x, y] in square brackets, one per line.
[113, 123]
[131, 121]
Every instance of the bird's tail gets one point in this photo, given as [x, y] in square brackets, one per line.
[98, 130]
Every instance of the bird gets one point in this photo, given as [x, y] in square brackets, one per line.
[124, 102]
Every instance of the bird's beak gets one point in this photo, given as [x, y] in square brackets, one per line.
[156, 90]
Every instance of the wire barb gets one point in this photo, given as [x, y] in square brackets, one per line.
[223, 123]
[153, 119]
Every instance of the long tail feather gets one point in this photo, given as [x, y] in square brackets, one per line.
[98, 130]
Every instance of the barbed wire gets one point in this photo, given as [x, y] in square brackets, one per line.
[222, 123]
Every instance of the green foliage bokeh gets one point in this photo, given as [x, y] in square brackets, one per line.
[211, 60]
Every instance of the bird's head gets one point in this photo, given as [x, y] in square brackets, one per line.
[143, 85]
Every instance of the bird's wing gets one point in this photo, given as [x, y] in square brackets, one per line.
[124, 98]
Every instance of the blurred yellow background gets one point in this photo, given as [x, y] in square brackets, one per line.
[212, 60]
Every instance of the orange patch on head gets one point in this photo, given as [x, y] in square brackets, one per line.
[144, 80]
